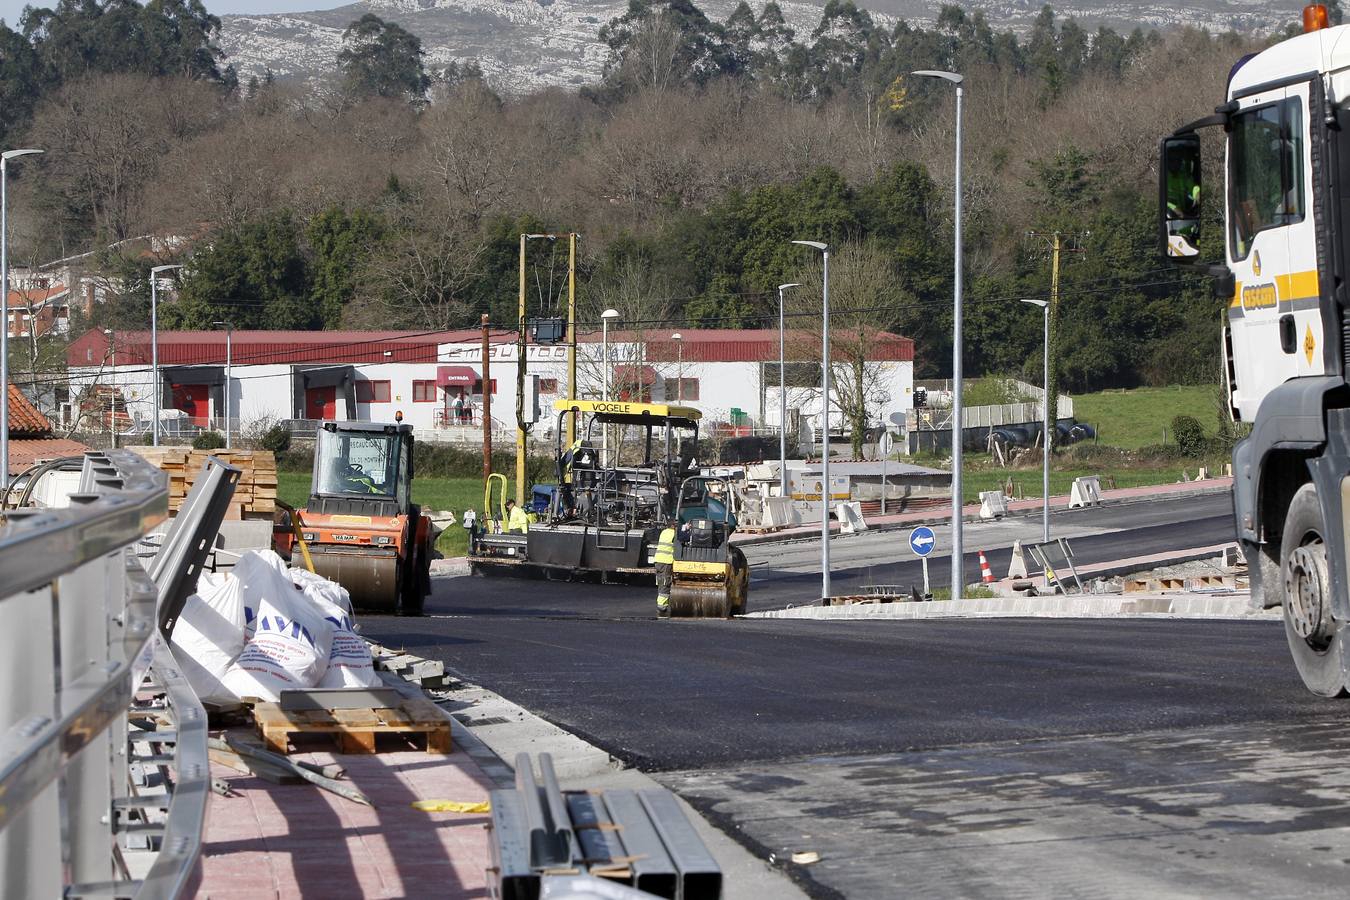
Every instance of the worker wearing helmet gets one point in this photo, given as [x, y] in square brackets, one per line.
[516, 519]
[665, 563]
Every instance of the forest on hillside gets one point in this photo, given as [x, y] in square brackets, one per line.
[394, 197]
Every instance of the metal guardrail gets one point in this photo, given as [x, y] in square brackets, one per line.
[79, 647]
[634, 839]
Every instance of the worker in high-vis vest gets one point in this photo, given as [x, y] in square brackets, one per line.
[665, 563]
[516, 519]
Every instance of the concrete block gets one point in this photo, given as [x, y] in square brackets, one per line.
[993, 505]
[1086, 491]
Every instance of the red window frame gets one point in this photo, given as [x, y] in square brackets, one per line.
[372, 392]
[424, 391]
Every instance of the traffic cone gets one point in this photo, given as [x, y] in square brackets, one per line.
[986, 573]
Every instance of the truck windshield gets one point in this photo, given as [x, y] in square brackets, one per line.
[1265, 156]
[347, 463]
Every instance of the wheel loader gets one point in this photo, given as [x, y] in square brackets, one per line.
[360, 527]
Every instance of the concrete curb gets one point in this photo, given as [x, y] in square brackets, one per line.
[1090, 606]
[1057, 504]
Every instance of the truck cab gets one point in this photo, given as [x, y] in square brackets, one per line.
[1282, 274]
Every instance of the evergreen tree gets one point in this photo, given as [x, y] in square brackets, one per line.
[380, 59]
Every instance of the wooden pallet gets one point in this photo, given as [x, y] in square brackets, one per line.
[355, 730]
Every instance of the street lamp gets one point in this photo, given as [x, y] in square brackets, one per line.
[154, 345]
[112, 353]
[679, 365]
[824, 416]
[605, 318]
[1045, 442]
[5, 157]
[782, 396]
[958, 558]
[229, 357]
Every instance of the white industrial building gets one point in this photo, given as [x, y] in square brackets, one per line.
[435, 379]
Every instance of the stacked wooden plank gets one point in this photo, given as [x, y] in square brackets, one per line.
[254, 497]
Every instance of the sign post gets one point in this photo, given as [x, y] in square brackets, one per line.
[921, 541]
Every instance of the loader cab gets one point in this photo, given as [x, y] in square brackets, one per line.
[362, 468]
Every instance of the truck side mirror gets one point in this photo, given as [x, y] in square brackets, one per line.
[1179, 198]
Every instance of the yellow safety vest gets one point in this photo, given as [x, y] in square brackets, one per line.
[518, 521]
[665, 547]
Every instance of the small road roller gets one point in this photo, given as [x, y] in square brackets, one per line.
[710, 578]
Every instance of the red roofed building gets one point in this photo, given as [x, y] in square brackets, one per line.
[30, 435]
[732, 374]
[40, 309]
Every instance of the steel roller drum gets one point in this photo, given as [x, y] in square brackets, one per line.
[371, 580]
[703, 601]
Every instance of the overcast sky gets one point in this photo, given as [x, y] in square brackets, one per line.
[10, 10]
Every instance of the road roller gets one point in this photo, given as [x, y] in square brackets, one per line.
[360, 526]
[710, 578]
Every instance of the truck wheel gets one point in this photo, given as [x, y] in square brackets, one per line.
[1316, 640]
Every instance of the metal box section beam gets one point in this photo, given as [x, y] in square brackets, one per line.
[543, 836]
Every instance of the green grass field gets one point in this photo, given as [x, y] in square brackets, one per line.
[456, 494]
[1136, 418]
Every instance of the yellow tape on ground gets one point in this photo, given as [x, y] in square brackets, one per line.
[456, 806]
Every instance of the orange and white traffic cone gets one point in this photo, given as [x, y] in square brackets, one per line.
[986, 573]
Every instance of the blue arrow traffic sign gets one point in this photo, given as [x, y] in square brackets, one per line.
[921, 540]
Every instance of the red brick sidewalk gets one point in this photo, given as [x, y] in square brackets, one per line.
[293, 841]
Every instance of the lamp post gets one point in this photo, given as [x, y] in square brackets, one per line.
[112, 353]
[605, 318]
[824, 416]
[958, 557]
[5, 157]
[782, 395]
[679, 365]
[229, 358]
[154, 345]
[1045, 442]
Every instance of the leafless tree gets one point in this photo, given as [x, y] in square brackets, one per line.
[863, 292]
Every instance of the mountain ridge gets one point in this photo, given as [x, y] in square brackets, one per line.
[526, 45]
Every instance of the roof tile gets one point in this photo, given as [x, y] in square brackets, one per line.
[24, 418]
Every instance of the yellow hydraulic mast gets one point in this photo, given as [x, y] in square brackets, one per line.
[520, 385]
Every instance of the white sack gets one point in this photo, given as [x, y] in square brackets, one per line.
[209, 636]
[291, 639]
[262, 576]
[318, 588]
[349, 660]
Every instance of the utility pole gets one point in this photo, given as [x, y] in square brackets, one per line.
[1057, 243]
[571, 332]
[487, 408]
[520, 385]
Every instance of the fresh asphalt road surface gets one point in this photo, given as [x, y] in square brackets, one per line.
[943, 757]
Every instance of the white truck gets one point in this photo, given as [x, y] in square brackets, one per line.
[1286, 335]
